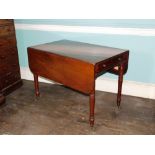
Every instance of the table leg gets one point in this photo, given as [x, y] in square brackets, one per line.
[120, 81]
[36, 84]
[92, 107]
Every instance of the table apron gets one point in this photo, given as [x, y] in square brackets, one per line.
[110, 64]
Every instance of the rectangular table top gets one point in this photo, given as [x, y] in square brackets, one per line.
[78, 50]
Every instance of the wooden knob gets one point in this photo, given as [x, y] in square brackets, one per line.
[104, 65]
[116, 68]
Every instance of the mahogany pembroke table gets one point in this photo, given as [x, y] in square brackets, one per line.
[77, 65]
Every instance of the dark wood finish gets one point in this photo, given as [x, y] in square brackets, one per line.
[7, 30]
[120, 81]
[73, 73]
[7, 41]
[77, 65]
[92, 108]
[36, 85]
[6, 22]
[10, 78]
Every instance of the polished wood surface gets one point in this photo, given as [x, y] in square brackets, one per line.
[73, 73]
[77, 65]
[10, 78]
[89, 53]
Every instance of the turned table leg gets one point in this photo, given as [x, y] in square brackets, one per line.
[92, 107]
[120, 81]
[36, 84]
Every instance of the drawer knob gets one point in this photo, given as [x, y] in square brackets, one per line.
[116, 68]
[104, 65]
[119, 59]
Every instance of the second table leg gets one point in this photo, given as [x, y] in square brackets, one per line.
[36, 85]
[120, 81]
[92, 108]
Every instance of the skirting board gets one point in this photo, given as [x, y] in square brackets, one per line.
[131, 88]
